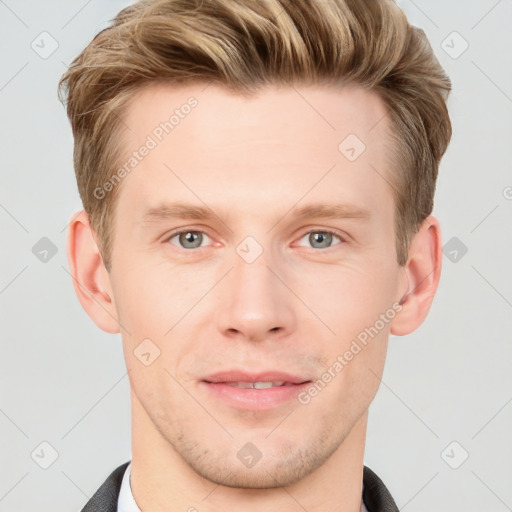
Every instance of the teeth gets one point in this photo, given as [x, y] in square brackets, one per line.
[255, 385]
[264, 385]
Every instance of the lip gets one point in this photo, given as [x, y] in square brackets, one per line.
[266, 376]
[254, 399]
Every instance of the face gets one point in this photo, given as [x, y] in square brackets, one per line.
[226, 259]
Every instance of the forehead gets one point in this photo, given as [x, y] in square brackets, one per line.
[283, 143]
[320, 110]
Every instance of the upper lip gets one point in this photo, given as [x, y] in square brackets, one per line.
[265, 376]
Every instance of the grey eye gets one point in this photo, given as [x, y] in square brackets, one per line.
[320, 239]
[189, 239]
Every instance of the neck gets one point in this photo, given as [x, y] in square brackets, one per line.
[162, 480]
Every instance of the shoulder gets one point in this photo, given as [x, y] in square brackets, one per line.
[376, 496]
[105, 498]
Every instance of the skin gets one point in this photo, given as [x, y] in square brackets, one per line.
[297, 307]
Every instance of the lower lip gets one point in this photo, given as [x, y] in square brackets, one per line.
[255, 399]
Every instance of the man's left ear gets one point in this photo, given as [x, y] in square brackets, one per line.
[423, 271]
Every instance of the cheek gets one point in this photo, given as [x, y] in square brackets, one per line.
[357, 305]
[151, 299]
[353, 374]
[348, 297]
[363, 324]
[156, 306]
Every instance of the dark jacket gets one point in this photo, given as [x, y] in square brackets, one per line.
[375, 495]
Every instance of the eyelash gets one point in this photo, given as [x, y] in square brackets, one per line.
[324, 231]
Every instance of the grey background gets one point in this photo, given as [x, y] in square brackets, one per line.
[64, 381]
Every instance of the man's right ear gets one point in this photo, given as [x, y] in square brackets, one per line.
[90, 277]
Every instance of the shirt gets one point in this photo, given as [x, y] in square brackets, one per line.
[127, 502]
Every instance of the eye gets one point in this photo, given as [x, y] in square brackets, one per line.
[321, 239]
[193, 239]
[188, 239]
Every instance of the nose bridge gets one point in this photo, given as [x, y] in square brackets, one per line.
[251, 273]
[255, 302]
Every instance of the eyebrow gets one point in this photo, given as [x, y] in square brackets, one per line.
[190, 211]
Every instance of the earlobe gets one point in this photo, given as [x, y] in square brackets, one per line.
[91, 280]
[423, 271]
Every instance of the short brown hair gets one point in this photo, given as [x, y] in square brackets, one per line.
[244, 45]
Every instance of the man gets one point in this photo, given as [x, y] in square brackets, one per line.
[257, 180]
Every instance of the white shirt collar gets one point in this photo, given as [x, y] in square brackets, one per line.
[126, 502]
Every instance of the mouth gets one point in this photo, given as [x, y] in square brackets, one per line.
[255, 392]
[272, 377]
[256, 385]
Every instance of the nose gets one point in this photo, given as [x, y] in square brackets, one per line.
[255, 302]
